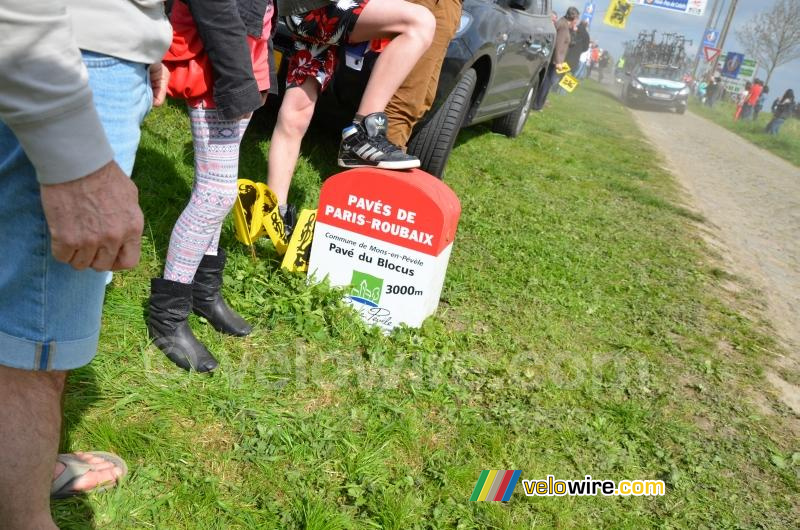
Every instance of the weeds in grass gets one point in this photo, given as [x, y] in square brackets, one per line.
[582, 330]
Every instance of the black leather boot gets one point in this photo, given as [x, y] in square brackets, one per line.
[170, 306]
[208, 301]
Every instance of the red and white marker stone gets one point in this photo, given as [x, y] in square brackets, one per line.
[387, 236]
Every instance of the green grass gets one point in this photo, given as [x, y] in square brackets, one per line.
[584, 329]
[786, 144]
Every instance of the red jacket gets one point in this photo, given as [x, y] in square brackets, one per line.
[755, 93]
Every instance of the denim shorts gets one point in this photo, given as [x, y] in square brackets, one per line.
[50, 312]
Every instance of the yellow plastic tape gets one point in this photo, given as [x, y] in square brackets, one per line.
[248, 216]
[296, 258]
[269, 202]
[563, 69]
[276, 231]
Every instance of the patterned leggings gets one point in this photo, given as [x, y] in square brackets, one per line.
[216, 168]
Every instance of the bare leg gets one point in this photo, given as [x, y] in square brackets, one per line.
[284, 148]
[411, 28]
[30, 425]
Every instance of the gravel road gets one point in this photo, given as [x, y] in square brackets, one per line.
[752, 200]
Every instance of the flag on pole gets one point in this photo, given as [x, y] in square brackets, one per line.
[588, 12]
[618, 13]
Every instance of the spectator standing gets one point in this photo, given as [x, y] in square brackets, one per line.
[563, 27]
[603, 64]
[227, 43]
[712, 91]
[416, 94]
[579, 43]
[782, 110]
[752, 99]
[741, 100]
[701, 90]
[583, 64]
[69, 213]
[594, 58]
[760, 103]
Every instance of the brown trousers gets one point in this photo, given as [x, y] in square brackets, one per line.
[415, 96]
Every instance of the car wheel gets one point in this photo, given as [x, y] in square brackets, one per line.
[434, 141]
[513, 123]
[681, 110]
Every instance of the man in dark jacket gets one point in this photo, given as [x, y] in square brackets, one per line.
[563, 28]
[579, 44]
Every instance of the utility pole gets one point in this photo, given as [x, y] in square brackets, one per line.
[719, 15]
[724, 34]
[709, 27]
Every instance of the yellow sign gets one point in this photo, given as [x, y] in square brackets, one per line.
[618, 13]
[299, 251]
[568, 83]
[563, 69]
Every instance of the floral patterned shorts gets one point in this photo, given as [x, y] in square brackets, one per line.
[317, 36]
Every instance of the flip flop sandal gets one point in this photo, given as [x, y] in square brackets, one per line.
[75, 468]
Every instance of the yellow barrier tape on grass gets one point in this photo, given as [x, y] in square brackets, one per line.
[269, 202]
[276, 231]
[563, 69]
[248, 217]
[296, 258]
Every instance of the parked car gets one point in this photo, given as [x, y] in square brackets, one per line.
[656, 86]
[492, 70]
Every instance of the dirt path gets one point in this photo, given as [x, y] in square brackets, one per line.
[752, 199]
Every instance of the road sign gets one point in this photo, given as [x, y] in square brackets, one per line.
[732, 65]
[711, 53]
[710, 37]
[568, 83]
[690, 7]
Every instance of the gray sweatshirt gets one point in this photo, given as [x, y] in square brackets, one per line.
[44, 95]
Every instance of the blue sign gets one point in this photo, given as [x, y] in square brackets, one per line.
[710, 39]
[690, 7]
[588, 12]
[732, 65]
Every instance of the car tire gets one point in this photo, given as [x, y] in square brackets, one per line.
[434, 141]
[513, 124]
[681, 110]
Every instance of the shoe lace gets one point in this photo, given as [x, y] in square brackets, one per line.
[381, 142]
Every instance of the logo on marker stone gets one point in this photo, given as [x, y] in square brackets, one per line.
[366, 288]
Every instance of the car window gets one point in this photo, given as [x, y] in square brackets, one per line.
[539, 7]
[660, 72]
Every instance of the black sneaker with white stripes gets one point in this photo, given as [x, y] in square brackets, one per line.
[364, 144]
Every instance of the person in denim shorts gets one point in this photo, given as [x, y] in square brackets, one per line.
[318, 28]
[69, 130]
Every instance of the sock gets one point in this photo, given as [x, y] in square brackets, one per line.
[282, 209]
[358, 118]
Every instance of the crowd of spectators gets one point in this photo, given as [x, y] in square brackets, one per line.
[749, 101]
